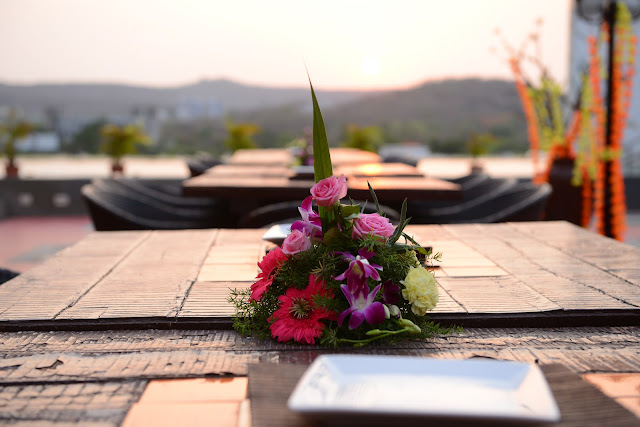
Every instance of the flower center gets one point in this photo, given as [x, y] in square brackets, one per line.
[300, 308]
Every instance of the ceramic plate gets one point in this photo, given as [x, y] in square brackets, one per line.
[476, 389]
[277, 233]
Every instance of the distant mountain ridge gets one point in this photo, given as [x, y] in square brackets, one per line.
[118, 99]
[443, 114]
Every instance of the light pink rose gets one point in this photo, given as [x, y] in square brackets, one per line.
[372, 223]
[328, 191]
[295, 242]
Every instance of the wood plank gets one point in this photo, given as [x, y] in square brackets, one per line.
[48, 289]
[207, 299]
[606, 253]
[78, 403]
[446, 304]
[589, 340]
[152, 281]
[495, 295]
[545, 269]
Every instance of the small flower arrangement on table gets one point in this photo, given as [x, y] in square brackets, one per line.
[341, 276]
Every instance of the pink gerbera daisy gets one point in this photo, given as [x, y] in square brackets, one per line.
[269, 267]
[298, 317]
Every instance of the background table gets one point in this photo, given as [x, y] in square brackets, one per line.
[283, 157]
[86, 333]
[255, 178]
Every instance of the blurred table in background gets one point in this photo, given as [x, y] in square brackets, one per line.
[283, 156]
[270, 179]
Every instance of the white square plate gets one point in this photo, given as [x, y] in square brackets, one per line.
[476, 389]
[277, 233]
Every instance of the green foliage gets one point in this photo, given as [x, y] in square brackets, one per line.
[240, 135]
[481, 144]
[322, 158]
[367, 138]
[117, 141]
[88, 139]
[13, 130]
[322, 167]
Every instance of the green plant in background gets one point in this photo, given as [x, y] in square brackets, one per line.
[481, 144]
[11, 131]
[118, 141]
[240, 135]
[368, 138]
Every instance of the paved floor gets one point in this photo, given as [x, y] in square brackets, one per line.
[27, 241]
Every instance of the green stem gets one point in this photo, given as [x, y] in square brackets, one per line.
[383, 334]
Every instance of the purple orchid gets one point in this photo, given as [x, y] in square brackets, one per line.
[359, 270]
[310, 223]
[390, 292]
[362, 307]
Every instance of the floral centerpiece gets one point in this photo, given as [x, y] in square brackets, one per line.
[341, 276]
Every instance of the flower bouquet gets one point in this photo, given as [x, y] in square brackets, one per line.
[341, 276]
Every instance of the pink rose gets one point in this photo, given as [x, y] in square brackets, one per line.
[372, 223]
[296, 241]
[328, 191]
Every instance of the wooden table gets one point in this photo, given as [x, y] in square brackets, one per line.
[247, 186]
[357, 170]
[104, 329]
[255, 178]
[282, 157]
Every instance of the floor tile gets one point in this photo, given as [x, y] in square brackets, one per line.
[195, 390]
[192, 414]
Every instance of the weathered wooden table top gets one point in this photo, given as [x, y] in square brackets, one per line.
[86, 333]
[513, 274]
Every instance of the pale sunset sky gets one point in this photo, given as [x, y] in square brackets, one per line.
[345, 44]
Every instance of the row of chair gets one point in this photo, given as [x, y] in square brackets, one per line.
[199, 163]
[486, 200]
[128, 204]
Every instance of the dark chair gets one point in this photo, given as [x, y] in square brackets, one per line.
[471, 185]
[469, 180]
[395, 158]
[6, 275]
[287, 212]
[474, 192]
[147, 192]
[200, 163]
[166, 187]
[112, 210]
[522, 202]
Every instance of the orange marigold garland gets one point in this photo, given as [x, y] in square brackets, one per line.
[597, 165]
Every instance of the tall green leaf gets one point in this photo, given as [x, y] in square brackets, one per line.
[321, 157]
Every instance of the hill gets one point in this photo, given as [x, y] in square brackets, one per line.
[117, 100]
[442, 114]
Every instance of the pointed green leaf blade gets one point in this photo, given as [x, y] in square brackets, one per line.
[321, 157]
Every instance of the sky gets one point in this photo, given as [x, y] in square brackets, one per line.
[344, 44]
